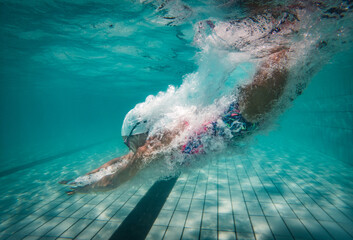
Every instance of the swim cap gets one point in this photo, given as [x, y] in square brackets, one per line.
[134, 131]
[134, 124]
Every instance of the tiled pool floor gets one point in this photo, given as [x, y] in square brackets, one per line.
[260, 196]
[263, 194]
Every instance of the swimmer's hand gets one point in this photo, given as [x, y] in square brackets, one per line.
[78, 189]
[70, 193]
[64, 182]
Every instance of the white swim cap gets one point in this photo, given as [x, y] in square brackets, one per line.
[134, 124]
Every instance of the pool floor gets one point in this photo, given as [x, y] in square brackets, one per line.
[264, 193]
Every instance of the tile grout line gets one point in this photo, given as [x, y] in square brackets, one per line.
[246, 172]
[242, 193]
[176, 206]
[204, 202]
[231, 202]
[192, 197]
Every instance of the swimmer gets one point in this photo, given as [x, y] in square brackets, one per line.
[255, 100]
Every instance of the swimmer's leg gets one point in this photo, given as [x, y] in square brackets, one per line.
[258, 98]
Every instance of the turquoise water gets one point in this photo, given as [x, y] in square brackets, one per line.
[70, 72]
[61, 89]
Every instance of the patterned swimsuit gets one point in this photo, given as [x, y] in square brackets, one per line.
[233, 121]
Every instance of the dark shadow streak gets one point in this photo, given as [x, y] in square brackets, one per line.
[140, 220]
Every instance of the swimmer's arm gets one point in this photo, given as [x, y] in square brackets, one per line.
[133, 163]
[153, 144]
[109, 182]
[107, 164]
[269, 82]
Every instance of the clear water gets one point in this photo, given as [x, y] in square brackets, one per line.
[70, 72]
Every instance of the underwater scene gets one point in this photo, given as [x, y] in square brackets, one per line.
[176, 119]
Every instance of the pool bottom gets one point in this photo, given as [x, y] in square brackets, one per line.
[267, 193]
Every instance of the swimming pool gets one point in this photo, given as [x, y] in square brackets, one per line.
[71, 71]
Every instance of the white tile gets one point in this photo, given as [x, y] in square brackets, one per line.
[121, 214]
[222, 235]
[163, 217]
[239, 208]
[225, 206]
[211, 206]
[183, 204]
[173, 233]
[28, 229]
[156, 233]
[207, 234]
[245, 236]
[278, 227]
[225, 222]
[243, 224]
[62, 227]
[49, 225]
[191, 233]
[197, 205]
[193, 220]
[297, 228]
[171, 203]
[335, 230]
[106, 231]
[260, 225]
[75, 229]
[209, 221]
[284, 210]
[178, 219]
[254, 208]
[91, 230]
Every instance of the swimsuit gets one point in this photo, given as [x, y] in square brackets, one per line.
[233, 122]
